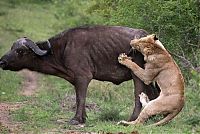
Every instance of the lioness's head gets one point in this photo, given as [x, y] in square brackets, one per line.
[147, 45]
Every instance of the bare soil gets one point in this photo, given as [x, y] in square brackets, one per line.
[5, 120]
[30, 83]
[29, 87]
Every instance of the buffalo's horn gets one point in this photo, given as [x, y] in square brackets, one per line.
[35, 48]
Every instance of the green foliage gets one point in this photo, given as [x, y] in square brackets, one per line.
[71, 13]
[177, 23]
[195, 81]
[110, 113]
[193, 120]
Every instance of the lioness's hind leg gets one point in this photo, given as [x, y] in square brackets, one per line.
[144, 115]
[166, 119]
[154, 107]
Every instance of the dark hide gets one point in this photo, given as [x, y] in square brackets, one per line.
[80, 55]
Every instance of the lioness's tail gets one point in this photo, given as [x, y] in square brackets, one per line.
[166, 119]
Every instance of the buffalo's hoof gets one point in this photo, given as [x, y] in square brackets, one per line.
[75, 121]
[133, 117]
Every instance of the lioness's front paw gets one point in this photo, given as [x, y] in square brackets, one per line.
[122, 57]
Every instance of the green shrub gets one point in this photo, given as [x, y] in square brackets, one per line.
[110, 113]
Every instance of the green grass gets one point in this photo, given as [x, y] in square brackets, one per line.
[55, 99]
[19, 19]
[10, 82]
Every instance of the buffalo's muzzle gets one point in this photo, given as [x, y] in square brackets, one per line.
[3, 64]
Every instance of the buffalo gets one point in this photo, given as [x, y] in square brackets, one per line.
[79, 55]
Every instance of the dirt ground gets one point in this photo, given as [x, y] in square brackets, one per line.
[30, 83]
[5, 120]
[29, 87]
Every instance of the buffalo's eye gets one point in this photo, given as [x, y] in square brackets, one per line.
[20, 51]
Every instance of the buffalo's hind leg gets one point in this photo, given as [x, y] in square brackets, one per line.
[139, 88]
[152, 90]
[81, 85]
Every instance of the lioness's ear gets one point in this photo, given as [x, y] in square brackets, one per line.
[155, 37]
[150, 38]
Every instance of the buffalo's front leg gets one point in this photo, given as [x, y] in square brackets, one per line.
[81, 86]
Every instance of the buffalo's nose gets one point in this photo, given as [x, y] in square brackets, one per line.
[3, 63]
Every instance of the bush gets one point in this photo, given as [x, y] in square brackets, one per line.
[110, 113]
[175, 22]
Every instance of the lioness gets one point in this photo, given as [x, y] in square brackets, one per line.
[161, 68]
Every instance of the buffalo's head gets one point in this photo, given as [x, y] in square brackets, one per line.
[21, 55]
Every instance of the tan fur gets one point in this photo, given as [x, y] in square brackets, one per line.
[159, 67]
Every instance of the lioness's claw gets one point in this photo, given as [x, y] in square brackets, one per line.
[122, 57]
[119, 58]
